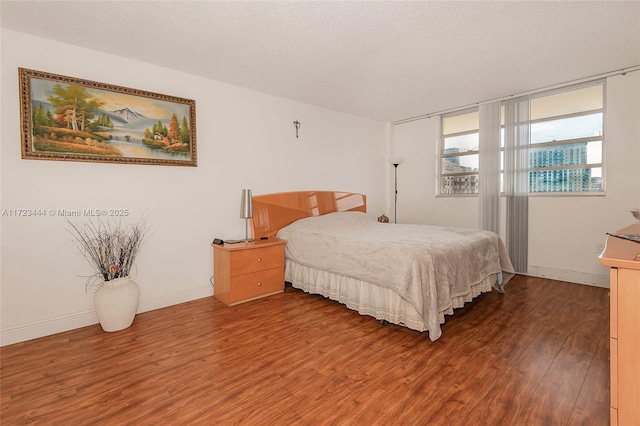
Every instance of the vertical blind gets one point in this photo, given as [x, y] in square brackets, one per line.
[516, 176]
[489, 184]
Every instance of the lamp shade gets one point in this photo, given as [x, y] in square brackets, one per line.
[396, 161]
[246, 204]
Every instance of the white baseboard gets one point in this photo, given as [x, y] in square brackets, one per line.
[163, 301]
[33, 330]
[48, 327]
[59, 324]
[569, 276]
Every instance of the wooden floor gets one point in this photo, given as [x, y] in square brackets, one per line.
[536, 355]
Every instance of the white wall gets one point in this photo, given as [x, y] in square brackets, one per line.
[245, 139]
[563, 231]
[416, 142]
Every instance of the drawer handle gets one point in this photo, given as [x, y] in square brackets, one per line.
[259, 259]
[259, 283]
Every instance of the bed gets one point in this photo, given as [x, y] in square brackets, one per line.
[410, 275]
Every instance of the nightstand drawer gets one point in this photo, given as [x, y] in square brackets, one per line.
[246, 261]
[248, 271]
[256, 284]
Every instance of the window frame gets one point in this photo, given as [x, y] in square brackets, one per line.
[601, 138]
[441, 155]
[554, 143]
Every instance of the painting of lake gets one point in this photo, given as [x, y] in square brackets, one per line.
[66, 118]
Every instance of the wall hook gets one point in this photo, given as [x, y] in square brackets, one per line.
[297, 124]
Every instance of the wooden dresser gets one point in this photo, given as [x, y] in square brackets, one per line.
[624, 259]
[248, 271]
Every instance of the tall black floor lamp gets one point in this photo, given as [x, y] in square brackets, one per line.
[396, 162]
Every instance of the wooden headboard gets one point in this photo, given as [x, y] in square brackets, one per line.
[272, 212]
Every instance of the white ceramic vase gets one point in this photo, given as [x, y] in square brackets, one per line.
[116, 303]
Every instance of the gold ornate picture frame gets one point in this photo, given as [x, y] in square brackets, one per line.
[70, 119]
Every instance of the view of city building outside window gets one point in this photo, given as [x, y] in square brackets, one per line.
[460, 153]
[566, 144]
[566, 141]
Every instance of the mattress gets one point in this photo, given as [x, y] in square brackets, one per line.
[412, 275]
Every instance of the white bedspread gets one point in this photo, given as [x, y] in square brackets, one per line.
[426, 265]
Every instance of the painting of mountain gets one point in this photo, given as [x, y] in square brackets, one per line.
[67, 118]
[127, 115]
[128, 119]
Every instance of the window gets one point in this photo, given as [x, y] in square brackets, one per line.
[565, 152]
[565, 144]
[459, 156]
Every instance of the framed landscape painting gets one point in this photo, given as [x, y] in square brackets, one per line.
[70, 119]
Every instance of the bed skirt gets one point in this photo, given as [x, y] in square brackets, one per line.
[370, 299]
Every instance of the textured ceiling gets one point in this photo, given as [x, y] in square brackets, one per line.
[382, 60]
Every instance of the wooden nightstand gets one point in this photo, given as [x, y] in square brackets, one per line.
[248, 271]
